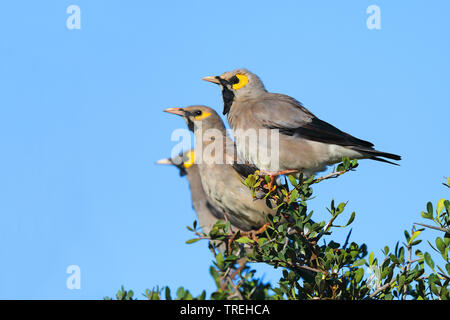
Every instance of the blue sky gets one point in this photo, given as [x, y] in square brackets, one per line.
[81, 126]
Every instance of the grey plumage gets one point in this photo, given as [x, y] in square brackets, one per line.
[221, 182]
[207, 212]
[306, 143]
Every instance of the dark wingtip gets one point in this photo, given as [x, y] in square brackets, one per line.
[386, 161]
[376, 153]
[391, 156]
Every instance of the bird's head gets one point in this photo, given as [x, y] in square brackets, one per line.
[236, 84]
[199, 117]
[183, 161]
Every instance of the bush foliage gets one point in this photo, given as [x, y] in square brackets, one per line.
[313, 265]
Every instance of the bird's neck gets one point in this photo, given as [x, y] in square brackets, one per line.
[195, 183]
[214, 146]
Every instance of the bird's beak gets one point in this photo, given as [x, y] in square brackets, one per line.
[213, 79]
[164, 161]
[177, 111]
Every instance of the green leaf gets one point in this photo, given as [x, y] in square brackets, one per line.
[371, 256]
[426, 215]
[180, 293]
[341, 207]
[359, 274]
[192, 240]
[428, 260]
[346, 162]
[401, 254]
[440, 245]
[294, 196]
[440, 206]
[244, 240]
[359, 263]
[430, 207]
[292, 180]
[352, 218]
[401, 280]
[202, 296]
[407, 236]
[167, 293]
[231, 257]
[414, 236]
[219, 260]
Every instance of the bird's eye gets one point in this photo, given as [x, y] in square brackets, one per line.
[190, 159]
[200, 115]
[234, 80]
[239, 81]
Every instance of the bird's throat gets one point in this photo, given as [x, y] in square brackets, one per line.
[227, 95]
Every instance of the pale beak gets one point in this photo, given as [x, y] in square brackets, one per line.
[164, 161]
[211, 79]
[177, 111]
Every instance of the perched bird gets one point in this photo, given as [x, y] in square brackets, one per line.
[207, 212]
[221, 181]
[305, 143]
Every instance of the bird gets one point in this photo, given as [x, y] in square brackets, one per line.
[221, 181]
[207, 212]
[302, 143]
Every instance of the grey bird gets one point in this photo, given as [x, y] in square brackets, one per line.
[305, 143]
[221, 181]
[207, 212]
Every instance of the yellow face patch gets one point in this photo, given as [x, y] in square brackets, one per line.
[191, 159]
[202, 116]
[243, 80]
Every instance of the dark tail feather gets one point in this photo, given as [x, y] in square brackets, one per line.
[375, 155]
[384, 160]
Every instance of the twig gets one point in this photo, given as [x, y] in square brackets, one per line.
[224, 278]
[387, 285]
[301, 266]
[444, 276]
[237, 293]
[296, 265]
[446, 184]
[433, 227]
[330, 176]
[326, 228]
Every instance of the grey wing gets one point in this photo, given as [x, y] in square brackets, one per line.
[291, 118]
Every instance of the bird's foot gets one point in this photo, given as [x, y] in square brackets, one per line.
[252, 234]
[273, 174]
[277, 173]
